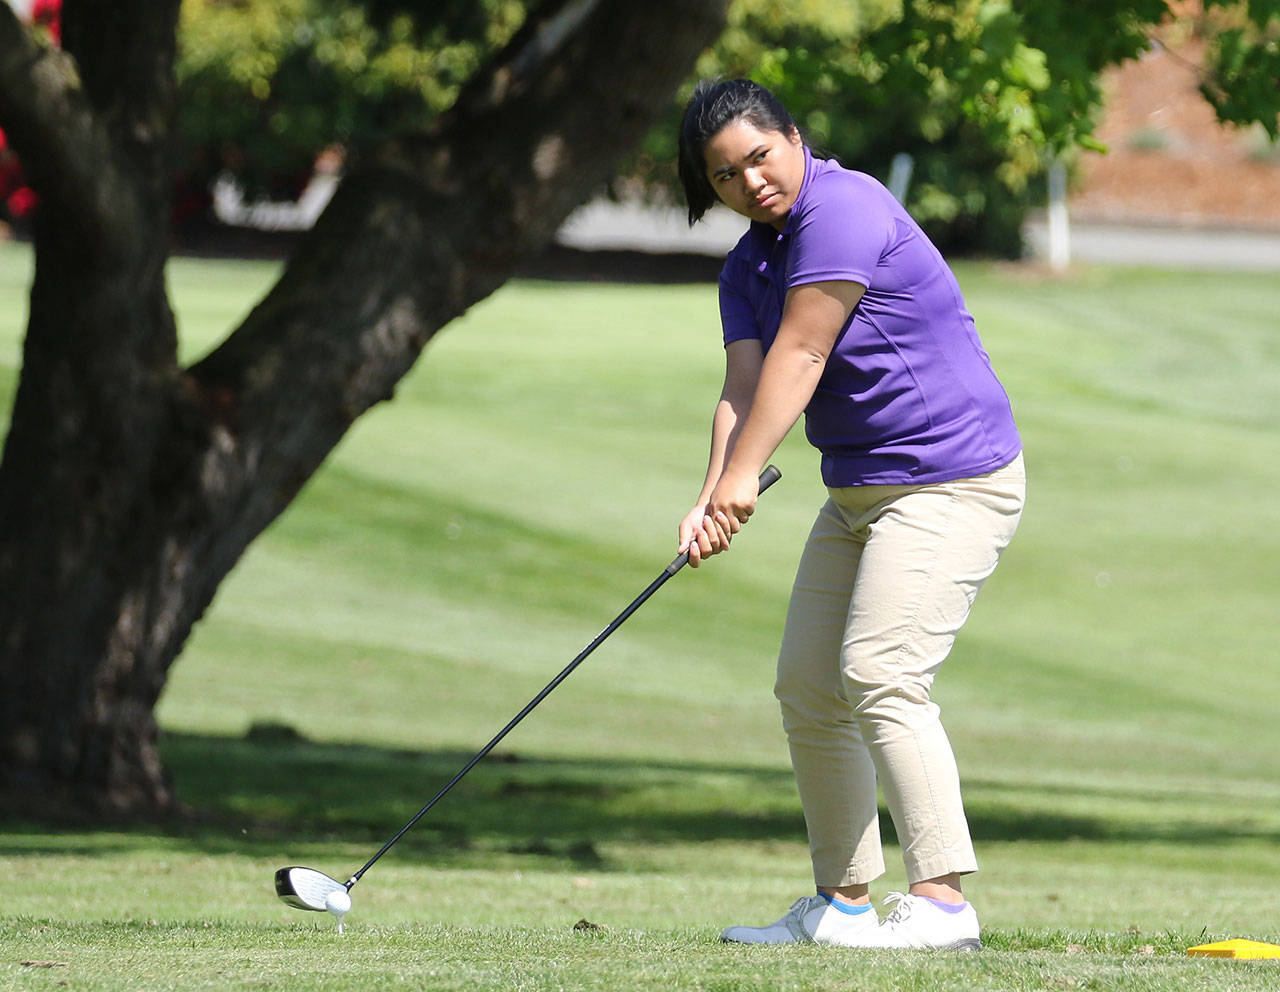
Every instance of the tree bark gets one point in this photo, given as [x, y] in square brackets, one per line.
[130, 486]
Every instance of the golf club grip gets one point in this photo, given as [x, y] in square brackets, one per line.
[767, 478]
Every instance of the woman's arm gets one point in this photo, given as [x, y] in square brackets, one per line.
[743, 360]
[812, 318]
[698, 533]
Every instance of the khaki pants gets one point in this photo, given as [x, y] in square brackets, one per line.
[885, 583]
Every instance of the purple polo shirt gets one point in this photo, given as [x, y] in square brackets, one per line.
[908, 394]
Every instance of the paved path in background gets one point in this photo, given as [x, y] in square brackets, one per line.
[1172, 247]
[602, 225]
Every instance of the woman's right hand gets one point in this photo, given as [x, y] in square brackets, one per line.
[703, 536]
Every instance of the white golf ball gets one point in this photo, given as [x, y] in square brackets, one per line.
[338, 902]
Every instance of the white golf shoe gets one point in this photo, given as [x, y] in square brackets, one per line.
[811, 920]
[917, 923]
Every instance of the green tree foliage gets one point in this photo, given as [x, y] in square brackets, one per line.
[978, 92]
[266, 84]
[1243, 78]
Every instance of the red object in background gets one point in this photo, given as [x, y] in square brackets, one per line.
[49, 14]
[20, 199]
[22, 202]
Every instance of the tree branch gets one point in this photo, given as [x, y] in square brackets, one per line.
[92, 122]
[48, 119]
[125, 50]
[427, 226]
[541, 35]
[589, 74]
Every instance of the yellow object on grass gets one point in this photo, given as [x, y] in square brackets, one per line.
[1253, 949]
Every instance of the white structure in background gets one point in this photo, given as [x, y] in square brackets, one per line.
[23, 7]
[610, 226]
[1059, 225]
[231, 208]
[900, 170]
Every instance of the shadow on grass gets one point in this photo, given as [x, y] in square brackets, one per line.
[249, 795]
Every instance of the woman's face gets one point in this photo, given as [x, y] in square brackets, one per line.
[756, 173]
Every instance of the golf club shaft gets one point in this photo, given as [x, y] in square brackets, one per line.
[767, 478]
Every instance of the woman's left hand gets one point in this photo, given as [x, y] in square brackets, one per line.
[735, 497]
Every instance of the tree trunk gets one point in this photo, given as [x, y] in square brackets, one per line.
[130, 486]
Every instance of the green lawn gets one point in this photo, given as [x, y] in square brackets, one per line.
[1112, 701]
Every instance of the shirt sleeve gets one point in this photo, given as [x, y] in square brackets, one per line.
[844, 230]
[737, 316]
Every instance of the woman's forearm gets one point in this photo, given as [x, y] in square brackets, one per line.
[743, 360]
[811, 321]
[787, 382]
[726, 424]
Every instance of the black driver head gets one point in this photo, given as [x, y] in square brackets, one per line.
[305, 888]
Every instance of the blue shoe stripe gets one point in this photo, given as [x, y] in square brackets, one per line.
[844, 907]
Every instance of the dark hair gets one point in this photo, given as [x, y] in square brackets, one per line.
[715, 104]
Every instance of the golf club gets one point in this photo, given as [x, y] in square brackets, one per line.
[306, 888]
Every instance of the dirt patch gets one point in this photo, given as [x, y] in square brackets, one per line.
[1170, 161]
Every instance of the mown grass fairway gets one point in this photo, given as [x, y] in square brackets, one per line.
[1112, 701]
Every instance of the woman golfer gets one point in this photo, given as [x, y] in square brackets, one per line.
[834, 304]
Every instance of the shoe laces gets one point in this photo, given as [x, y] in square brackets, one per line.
[794, 920]
[901, 903]
[801, 906]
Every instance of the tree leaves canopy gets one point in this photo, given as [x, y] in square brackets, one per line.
[266, 84]
[979, 92]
